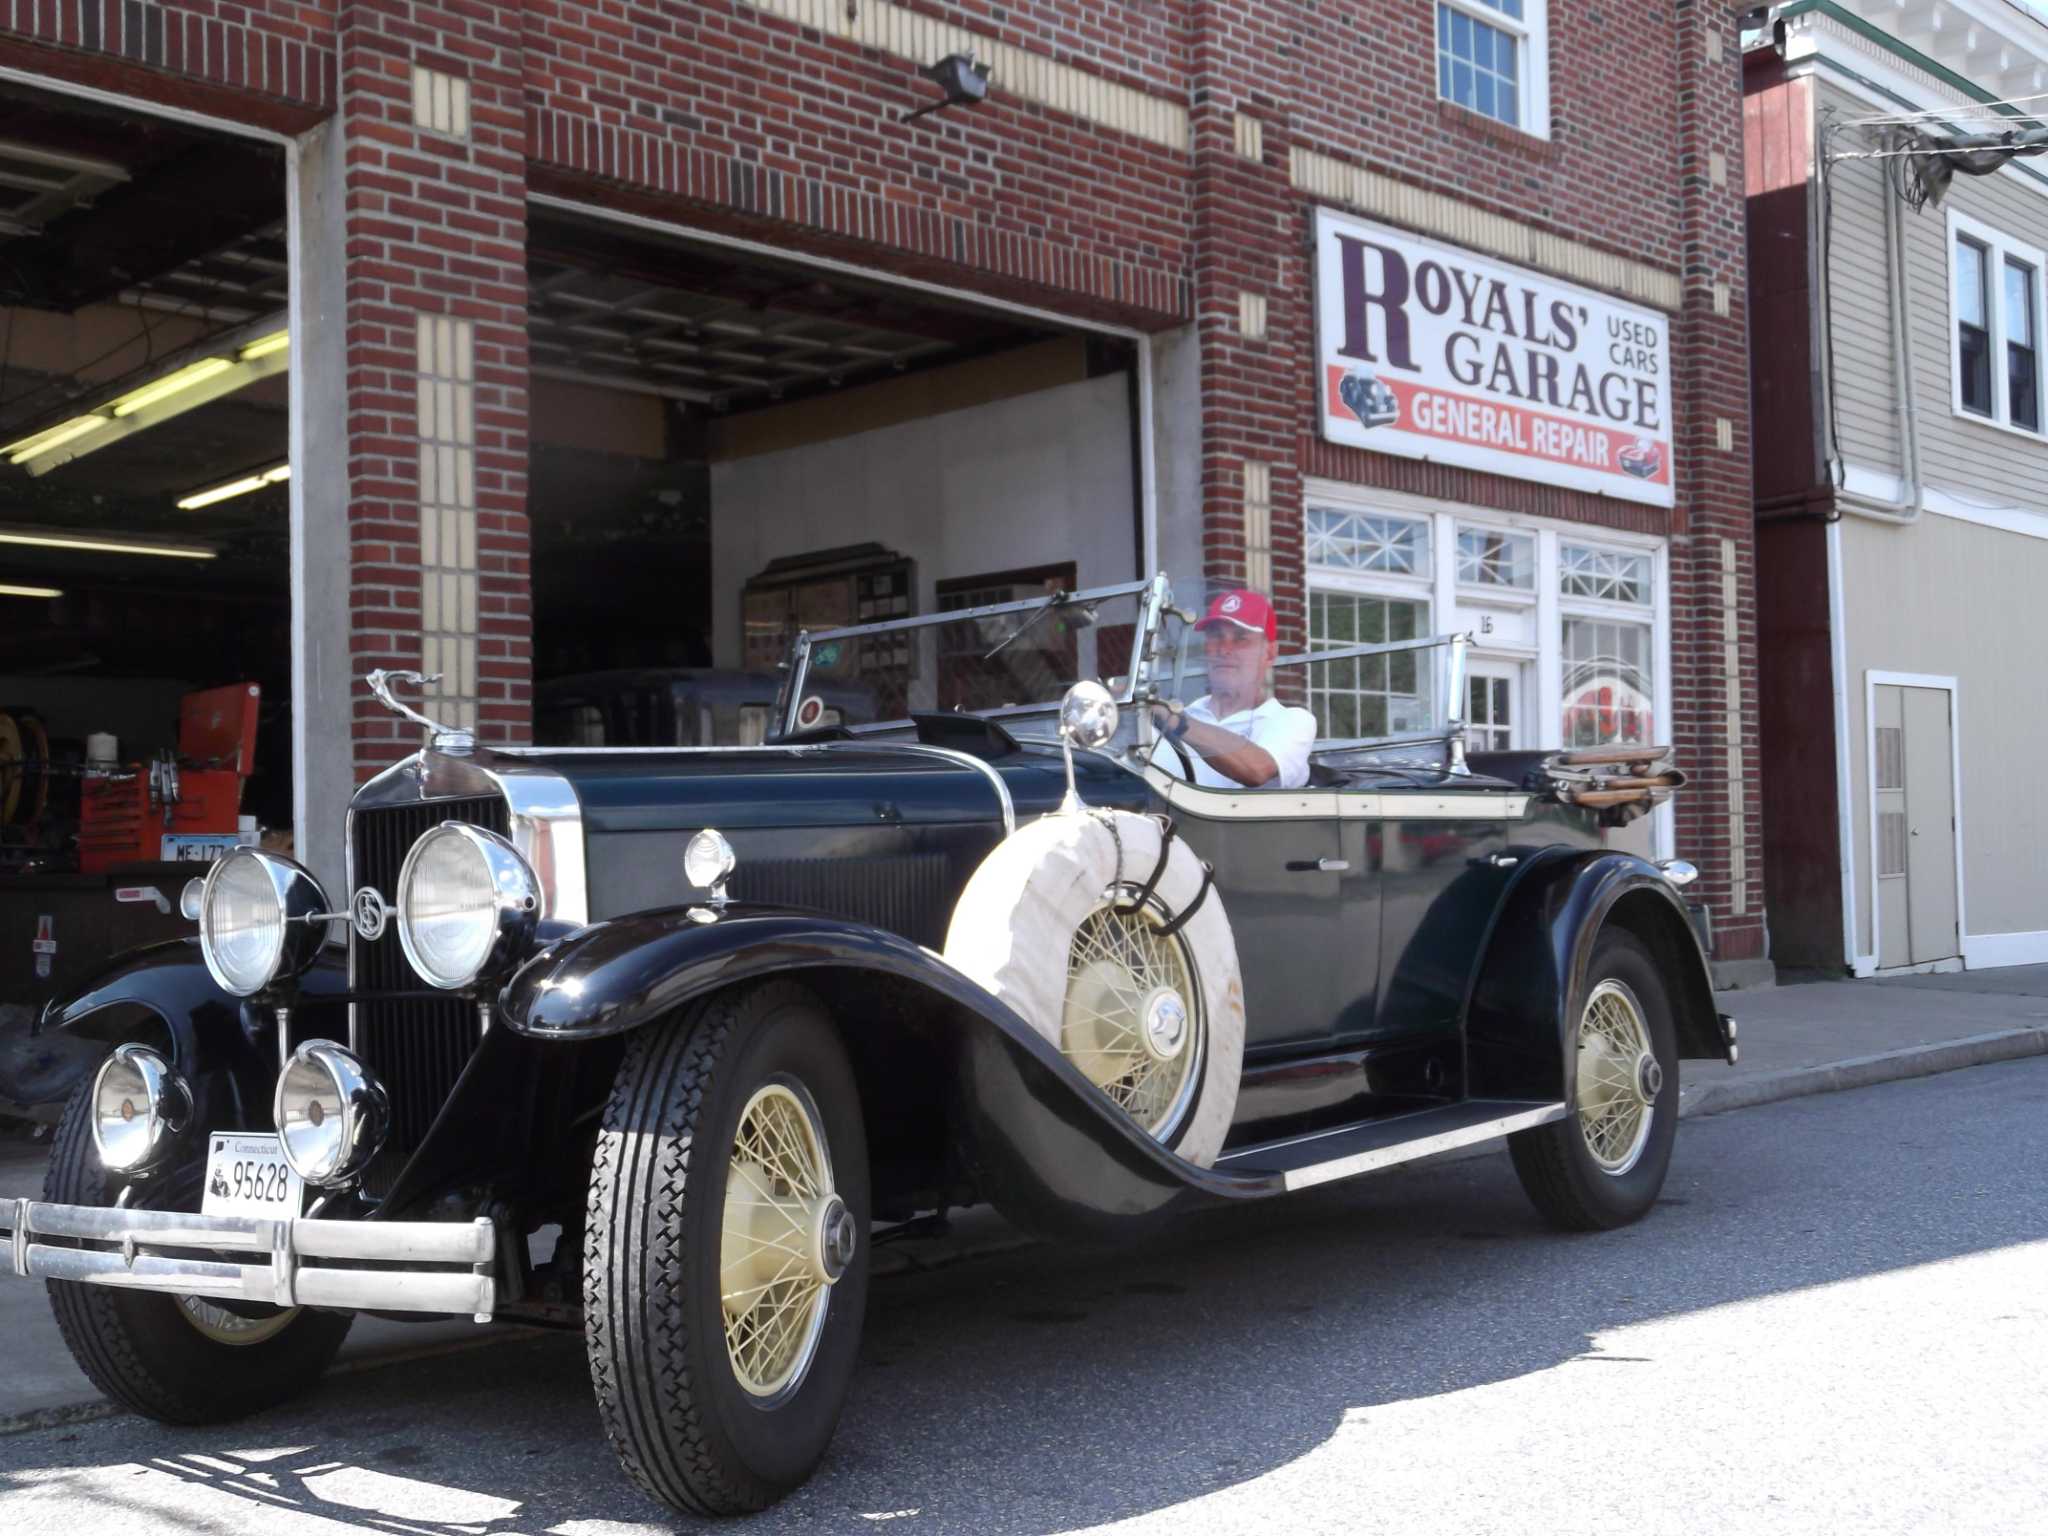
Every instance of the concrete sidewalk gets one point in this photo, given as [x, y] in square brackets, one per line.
[1814, 1038]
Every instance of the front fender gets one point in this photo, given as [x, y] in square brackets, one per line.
[1536, 956]
[1042, 1142]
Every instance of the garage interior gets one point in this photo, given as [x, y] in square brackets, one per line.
[727, 447]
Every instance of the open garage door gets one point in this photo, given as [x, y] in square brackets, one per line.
[144, 543]
[730, 445]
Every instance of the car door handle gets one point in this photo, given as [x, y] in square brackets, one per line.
[1325, 866]
[1499, 860]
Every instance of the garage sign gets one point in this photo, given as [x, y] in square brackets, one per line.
[1429, 351]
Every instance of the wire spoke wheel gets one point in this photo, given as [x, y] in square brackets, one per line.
[1618, 1078]
[1133, 1020]
[787, 1237]
[222, 1326]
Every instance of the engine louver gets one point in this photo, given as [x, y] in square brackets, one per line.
[417, 1047]
[911, 894]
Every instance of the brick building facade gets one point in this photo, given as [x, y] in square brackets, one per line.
[1150, 165]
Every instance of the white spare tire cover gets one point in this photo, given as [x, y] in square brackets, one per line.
[1034, 926]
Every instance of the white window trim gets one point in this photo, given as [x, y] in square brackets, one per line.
[1481, 592]
[1997, 247]
[1543, 699]
[1337, 578]
[1533, 33]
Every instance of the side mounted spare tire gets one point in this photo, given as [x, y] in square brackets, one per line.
[1103, 930]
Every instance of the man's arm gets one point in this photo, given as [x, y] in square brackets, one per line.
[1230, 754]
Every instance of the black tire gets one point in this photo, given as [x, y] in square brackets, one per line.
[145, 1350]
[673, 1407]
[1556, 1166]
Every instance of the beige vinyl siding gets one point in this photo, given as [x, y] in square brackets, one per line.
[1961, 455]
[1948, 598]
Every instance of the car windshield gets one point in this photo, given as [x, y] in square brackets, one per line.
[1013, 661]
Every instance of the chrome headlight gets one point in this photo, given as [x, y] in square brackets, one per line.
[467, 904]
[139, 1105]
[253, 920]
[331, 1113]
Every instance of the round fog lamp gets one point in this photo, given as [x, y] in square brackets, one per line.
[139, 1105]
[467, 904]
[331, 1113]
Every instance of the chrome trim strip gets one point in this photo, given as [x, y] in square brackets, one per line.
[1399, 1152]
[1350, 804]
[285, 1280]
[960, 759]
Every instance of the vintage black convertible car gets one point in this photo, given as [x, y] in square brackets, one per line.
[716, 1021]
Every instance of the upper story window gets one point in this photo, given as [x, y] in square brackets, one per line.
[1995, 351]
[1490, 557]
[1493, 57]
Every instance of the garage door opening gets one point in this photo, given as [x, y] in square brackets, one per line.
[144, 540]
[728, 447]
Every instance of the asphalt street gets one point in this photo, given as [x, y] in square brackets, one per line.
[1836, 1320]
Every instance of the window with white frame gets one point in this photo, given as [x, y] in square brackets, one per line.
[1493, 58]
[1995, 290]
[1369, 582]
[1607, 601]
[1496, 558]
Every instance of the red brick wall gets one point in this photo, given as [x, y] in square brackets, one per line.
[435, 226]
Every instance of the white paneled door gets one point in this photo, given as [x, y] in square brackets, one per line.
[1914, 851]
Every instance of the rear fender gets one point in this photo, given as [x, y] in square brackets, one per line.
[1522, 1006]
[222, 1045]
[1039, 1140]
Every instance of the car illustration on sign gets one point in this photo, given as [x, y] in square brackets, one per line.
[1369, 400]
[727, 1016]
[1643, 458]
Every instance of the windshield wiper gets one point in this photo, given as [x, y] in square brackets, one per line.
[1058, 600]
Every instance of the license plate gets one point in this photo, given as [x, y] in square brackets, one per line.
[248, 1176]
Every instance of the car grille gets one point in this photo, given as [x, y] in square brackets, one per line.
[417, 1047]
[910, 894]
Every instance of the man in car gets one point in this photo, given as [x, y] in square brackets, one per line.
[1238, 734]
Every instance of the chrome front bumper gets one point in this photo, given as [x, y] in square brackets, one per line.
[128, 1248]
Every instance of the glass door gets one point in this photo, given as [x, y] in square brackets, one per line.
[1493, 704]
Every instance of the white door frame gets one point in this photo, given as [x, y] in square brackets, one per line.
[1523, 666]
[1866, 965]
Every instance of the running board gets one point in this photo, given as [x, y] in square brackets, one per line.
[1322, 1156]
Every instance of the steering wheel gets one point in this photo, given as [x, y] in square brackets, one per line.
[1187, 763]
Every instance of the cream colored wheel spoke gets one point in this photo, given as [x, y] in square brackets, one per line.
[1119, 968]
[1616, 1073]
[777, 1262]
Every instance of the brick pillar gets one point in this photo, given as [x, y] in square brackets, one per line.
[433, 234]
[1253, 309]
[1713, 585]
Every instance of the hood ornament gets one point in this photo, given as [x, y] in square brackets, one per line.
[446, 738]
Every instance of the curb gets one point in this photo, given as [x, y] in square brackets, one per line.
[1867, 1071]
[1714, 1099]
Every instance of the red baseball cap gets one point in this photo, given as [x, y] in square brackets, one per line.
[1244, 608]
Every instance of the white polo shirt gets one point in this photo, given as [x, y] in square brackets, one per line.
[1286, 731]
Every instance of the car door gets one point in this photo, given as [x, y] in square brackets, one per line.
[1298, 906]
[1443, 864]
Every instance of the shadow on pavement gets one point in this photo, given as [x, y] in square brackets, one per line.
[1045, 1390]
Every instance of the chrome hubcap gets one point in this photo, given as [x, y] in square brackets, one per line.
[787, 1239]
[1128, 1023]
[231, 1328]
[1618, 1078]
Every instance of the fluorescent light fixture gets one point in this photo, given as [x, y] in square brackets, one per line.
[171, 384]
[263, 346]
[106, 544]
[9, 591]
[253, 481]
[236, 359]
[54, 437]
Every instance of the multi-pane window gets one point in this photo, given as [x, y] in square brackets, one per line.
[1491, 58]
[2022, 367]
[1362, 697]
[1973, 329]
[1608, 683]
[1368, 542]
[1607, 575]
[1489, 721]
[1995, 298]
[1488, 557]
